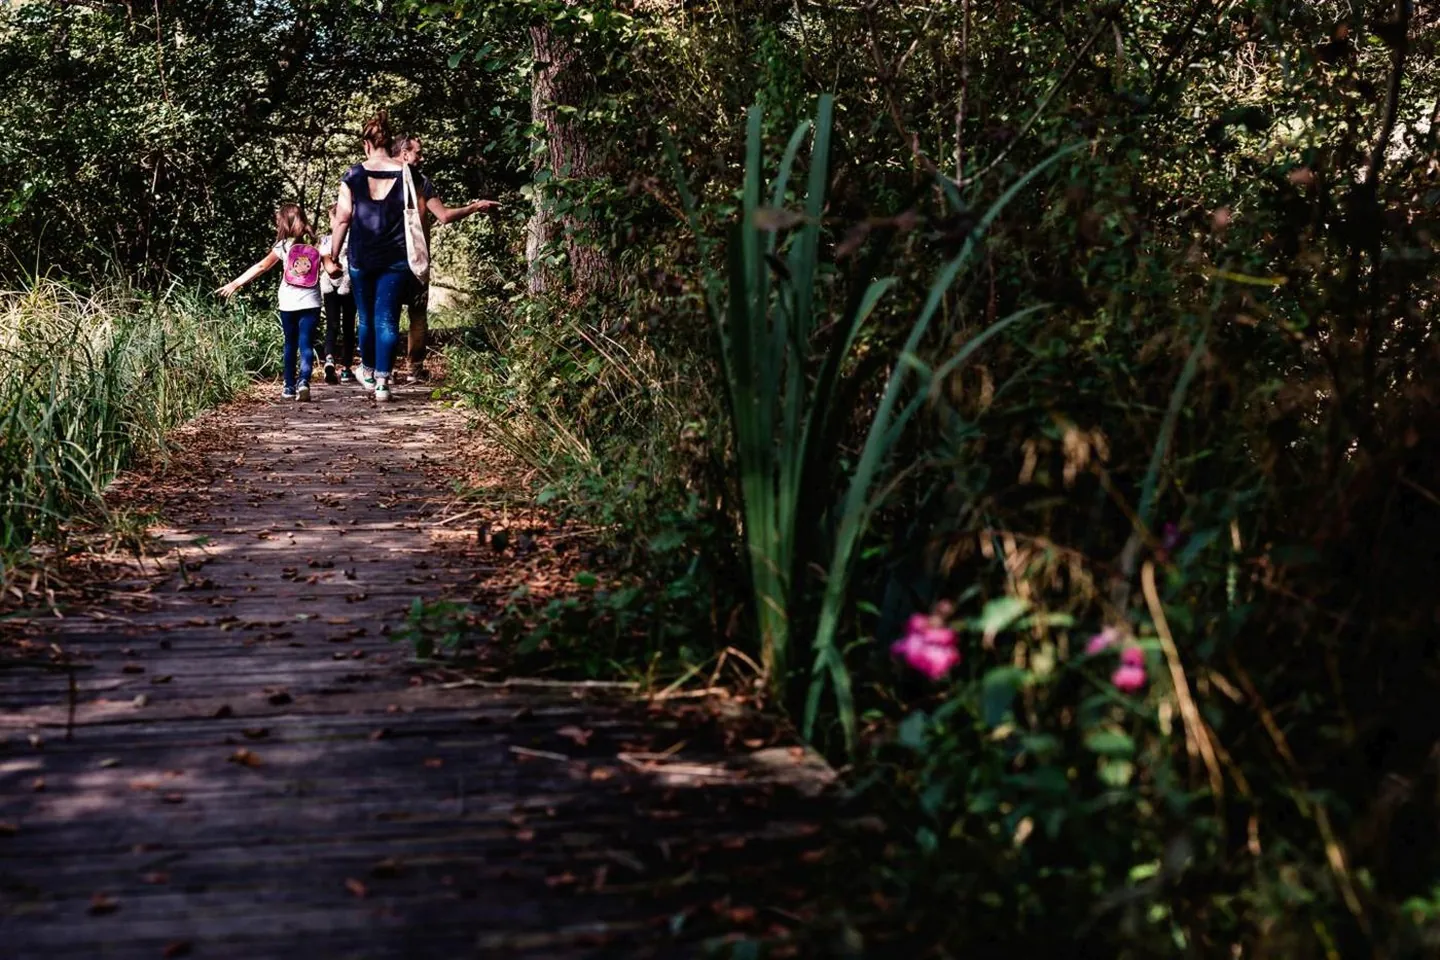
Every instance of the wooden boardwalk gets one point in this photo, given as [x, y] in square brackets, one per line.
[257, 771]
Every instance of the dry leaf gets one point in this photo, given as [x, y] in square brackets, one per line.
[356, 887]
[246, 757]
[102, 904]
[434, 763]
[155, 878]
[173, 798]
[387, 869]
[575, 735]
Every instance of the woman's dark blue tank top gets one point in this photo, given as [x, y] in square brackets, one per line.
[377, 227]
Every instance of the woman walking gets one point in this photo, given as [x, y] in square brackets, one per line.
[370, 212]
[299, 293]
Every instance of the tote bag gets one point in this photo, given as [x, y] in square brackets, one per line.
[416, 250]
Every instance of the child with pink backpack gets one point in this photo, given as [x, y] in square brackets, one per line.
[294, 249]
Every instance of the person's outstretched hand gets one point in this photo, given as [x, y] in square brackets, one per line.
[228, 290]
[482, 205]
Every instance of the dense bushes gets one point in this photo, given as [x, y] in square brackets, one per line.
[1209, 442]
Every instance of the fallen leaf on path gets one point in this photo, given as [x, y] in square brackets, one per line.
[102, 904]
[173, 798]
[387, 869]
[356, 887]
[434, 763]
[561, 880]
[156, 878]
[380, 734]
[109, 762]
[256, 733]
[223, 711]
[280, 698]
[132, 668]
[575, 735]
[245, 757]
[38, 784]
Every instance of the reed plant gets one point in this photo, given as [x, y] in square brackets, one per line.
[786, 399]
[89, 381]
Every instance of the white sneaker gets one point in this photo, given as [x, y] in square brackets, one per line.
[382, 389]
[303, 394]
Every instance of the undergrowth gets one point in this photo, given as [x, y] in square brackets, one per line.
[91, 381]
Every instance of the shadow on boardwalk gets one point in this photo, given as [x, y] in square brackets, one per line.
[256, 771]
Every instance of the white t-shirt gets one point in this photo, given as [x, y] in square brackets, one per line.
[341, 286]
[293, 297]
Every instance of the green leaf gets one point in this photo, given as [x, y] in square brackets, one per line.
[914, 731]
[1116, 773]
[1110, 743]
[588, 580]
[998, 692]
[999, 614]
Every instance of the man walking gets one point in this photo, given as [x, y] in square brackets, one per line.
[407, 149]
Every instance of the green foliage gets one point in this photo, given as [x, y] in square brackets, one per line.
[436, 628]
[89, 382]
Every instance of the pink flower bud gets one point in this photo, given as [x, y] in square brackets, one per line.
[1102, 641]
[1128, 678]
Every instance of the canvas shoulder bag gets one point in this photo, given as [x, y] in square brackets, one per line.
[416, 250]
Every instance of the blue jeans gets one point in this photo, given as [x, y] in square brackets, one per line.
[377, 307]
[299, 327]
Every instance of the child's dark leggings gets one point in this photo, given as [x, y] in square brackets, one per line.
[299, 327]
[340, 327]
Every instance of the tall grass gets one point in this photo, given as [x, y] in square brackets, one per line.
[784, 393]
[90, 381]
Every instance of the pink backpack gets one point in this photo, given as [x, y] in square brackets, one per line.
[302, 265]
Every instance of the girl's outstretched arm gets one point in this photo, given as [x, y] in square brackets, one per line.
[229, 289]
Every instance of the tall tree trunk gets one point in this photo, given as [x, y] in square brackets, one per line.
[560, 80]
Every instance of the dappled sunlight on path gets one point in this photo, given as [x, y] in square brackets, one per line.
[257, 771]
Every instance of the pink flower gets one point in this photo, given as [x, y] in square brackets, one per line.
[928, 645]
[1102, 641]
[1130, 675]
[932, 659]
